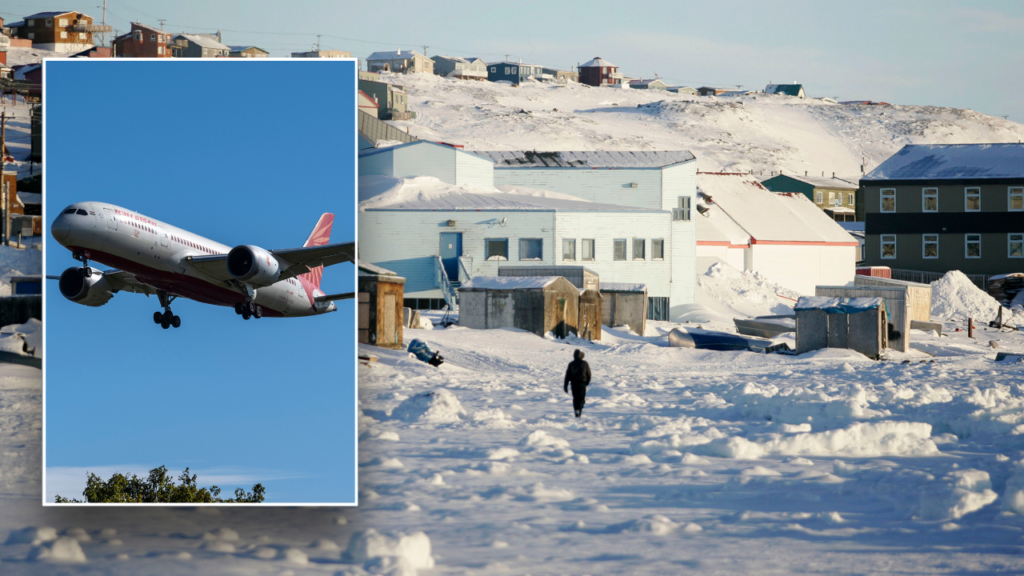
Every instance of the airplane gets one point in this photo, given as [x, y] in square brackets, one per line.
[152, 257]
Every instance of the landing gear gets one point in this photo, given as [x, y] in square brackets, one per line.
[166, 319]
[84, 259]
[258, 311]
[249, 308]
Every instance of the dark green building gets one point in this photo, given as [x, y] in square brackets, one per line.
[937, 208]
[837, 197]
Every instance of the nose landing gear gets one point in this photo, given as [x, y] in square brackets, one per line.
[166, 319]
[84, 259]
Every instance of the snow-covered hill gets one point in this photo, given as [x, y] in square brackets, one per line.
[757, 132]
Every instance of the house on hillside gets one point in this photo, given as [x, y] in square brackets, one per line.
[836, 196]
[198, 46]
[514, 73]
[367, 103]
[782, 236]
[142, 41]
[392, 100]
[649, 84]
[561, 76]
[459, 67]
[599, 72]
[655, 180]
[941, 207]
[786, 90]
[710, 91]
[58, 31]
[322, 54]
[247, 52]
[682, 90]
[31, 73]
[400, 62]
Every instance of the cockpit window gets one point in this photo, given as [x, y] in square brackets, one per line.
[69, 211]
[82, 212]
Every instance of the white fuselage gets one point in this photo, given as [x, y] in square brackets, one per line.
[157, 254]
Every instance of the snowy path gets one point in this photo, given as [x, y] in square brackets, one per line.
[710, 462]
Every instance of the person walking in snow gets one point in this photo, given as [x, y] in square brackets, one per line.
[578, 375]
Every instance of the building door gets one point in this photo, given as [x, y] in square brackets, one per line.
[390, 328]
[451, 249]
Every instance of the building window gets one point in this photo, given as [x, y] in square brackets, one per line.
[152, 37]
[49, 22]
[30, 23]
[972, 199]
[515, 70]
[639, 249]
[63, 22]
[973, 245]
[31, 35]
[496, 248]
[160, 50]
[81, 35]
[930, 200]
[931, 246]
[588, 249]
[888, 199]
[839, 199]
[568, 248]
[63, 34]
[137, 35]
[888, 246]
[620, 249]
[507, 70]
[1016, 246]
[852, 199]
[819, 197]
[682, 213]
[531, 249]
[1016, 199]
[658, 249]
[494, 69]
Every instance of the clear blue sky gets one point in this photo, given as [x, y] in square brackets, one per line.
[241, 152]
[965, 54]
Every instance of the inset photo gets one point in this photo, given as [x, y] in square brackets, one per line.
[200, 241]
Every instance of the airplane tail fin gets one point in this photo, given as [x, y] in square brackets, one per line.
[320, 236]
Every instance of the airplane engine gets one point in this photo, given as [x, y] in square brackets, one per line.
[253, 264]
[94, 290]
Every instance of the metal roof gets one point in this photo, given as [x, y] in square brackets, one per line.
[394, 55]
[787, 89]
[585, 159]
[952, 162]
[819, 182]
[47, 14]
[205, 42]
[597, 62]
[464, 201]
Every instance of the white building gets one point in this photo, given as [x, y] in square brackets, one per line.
[425, 229]
[783, 236]
[422, 158]
[664, 181]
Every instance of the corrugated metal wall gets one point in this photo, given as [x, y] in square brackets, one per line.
[471, 170]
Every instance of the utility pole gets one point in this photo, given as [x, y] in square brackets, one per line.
[318, 42]
[161, 21]
[103, 37]
[425, 49]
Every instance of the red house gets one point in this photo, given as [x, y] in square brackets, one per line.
[600, 72]
[142, 42]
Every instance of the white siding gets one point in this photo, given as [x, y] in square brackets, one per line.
[379, 164]
[408, 242]
[594, 185]
[676, 181]
[803, 267]
[425, 159]
[604, 228]
[735, 257]
[472, 170]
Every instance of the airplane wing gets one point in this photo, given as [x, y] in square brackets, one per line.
[215, 267]
[332, 297]
[296, 261]
[127, 282]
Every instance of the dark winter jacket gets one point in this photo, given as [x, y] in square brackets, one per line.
[578, 373]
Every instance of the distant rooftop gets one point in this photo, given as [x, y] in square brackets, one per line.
[470, 202]
[824, 182]
[952, 162]
[393, 55]
[597, 62]
[585, 159]
[205, 41]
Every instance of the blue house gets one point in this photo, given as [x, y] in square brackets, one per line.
[513, 72]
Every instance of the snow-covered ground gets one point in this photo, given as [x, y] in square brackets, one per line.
[756, 132]
[684, 461]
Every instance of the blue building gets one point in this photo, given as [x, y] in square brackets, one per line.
[513, 72]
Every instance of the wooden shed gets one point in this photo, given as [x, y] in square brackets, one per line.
[919, 296]
[589, 325]
[579, 276]
[859, 324]
[897, 309]
[624, 304]
[538, 304]
[380, 306]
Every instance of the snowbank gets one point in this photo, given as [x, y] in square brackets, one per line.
[436, 407]
[955, 297]
[733, 293]
[398, 552]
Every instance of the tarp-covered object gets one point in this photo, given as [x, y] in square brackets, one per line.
[707, 340]
[423, 353]
[837, 305]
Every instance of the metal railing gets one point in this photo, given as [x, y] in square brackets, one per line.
[465, 269]
[922, 277]
[451, 297]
